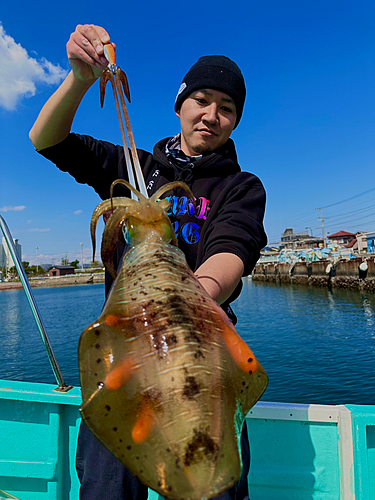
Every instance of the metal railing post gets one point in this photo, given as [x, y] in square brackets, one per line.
[26, 286]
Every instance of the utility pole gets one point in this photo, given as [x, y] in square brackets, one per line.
[36, 256]
[322, 219]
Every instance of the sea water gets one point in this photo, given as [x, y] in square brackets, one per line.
[316, 344]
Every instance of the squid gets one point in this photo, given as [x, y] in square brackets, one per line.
[166, 379]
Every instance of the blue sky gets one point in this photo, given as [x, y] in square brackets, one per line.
[307, 129]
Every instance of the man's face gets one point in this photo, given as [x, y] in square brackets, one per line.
[207, 119]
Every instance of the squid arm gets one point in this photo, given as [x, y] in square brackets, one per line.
[100, 210]
[111, 236]
[170, 186]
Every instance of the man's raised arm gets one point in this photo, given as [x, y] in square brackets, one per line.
[86, 57]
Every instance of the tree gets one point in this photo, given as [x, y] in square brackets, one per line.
[74, 264]
[64, 262]
[95, 264]
[35, 270]
[25, 265]
[29, 270]
[3, 272]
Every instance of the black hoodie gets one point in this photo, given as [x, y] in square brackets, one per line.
[230, 203]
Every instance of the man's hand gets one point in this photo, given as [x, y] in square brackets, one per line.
[86, 57]
[86, 52]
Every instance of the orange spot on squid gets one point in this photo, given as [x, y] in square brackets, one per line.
[240, 351]
[112, 320]
[119, 375]
[144, 424]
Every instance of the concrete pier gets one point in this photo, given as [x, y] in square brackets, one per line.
[45, 282]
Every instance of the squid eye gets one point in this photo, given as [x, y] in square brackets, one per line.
[129, 233]
[168, 232]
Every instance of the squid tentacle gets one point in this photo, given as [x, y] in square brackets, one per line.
[103, 83]
[100, 210]
[111, 237]
[170, 186]
[103, 207]
[122, 208]
[120, 74]
[129, 186]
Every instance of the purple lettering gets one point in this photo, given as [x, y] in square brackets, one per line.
[191, 208]
[203, 208]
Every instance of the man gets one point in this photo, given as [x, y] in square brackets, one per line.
[221, 238]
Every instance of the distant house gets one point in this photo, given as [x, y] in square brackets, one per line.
[363, 242]
[352, 244]
[61, 270]
[289, 239]
[341, 238]
[310, 242]
[289, 236]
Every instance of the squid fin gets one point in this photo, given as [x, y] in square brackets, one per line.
[240, 351]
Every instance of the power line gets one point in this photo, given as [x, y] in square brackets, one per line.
[303, 218]
[349, 219]
[351, 212]
[351, 198]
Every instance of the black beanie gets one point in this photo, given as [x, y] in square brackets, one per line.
[217, 73]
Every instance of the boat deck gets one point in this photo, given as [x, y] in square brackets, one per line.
[302, 452]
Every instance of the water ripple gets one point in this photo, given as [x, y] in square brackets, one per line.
[317, 345]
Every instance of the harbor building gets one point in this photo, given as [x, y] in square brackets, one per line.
[6, 259]
[61, 270]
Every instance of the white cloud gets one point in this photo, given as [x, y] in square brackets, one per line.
[20, 73]
[37, 230]
[77, 212]
[12, 209]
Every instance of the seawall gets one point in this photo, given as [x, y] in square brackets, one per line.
[341, 274]
[70, 280]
